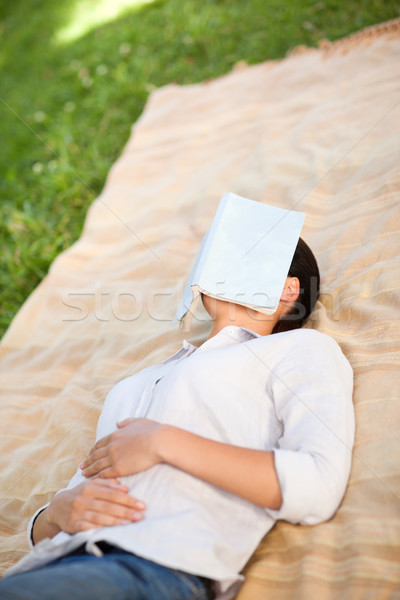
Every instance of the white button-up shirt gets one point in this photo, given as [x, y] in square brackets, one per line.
[289, 392]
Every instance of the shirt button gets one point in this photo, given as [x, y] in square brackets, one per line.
[230, 331]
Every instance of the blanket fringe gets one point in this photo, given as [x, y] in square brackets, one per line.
[391, 29]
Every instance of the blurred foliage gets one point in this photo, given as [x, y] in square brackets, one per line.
[67, 106]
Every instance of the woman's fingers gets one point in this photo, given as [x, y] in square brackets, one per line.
[124, 423]
[100, 444]
[101, 464]
[95, 455]
[106, 514]
[112, 491]
[94, 520]
[95, 503]
[130, 449]
[110, 483]
[101, 472]
[104, 460]
[93, 465]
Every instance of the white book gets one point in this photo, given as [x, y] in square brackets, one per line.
[245, 256]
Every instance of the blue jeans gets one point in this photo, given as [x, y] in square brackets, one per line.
[118, 575]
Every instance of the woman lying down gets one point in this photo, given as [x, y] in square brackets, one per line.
[198, 457]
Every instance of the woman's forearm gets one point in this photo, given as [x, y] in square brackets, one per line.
[247, 473]
[139, 444]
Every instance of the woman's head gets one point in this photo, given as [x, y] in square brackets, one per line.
[300, 293]
[304, 266]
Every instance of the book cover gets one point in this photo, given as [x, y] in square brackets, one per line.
[244, 257]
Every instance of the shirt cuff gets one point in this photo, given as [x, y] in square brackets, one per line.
[31, 523]
[307, 498]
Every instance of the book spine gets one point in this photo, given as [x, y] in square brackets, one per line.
[211, 236]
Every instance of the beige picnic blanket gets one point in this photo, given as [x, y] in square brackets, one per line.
[319, 132]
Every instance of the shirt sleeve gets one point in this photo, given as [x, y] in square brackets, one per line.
[117, 401]
[312, 391]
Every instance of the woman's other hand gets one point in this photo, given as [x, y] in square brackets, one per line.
[130, 449]
[92, 504]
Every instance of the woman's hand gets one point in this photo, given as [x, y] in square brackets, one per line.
[92, 504]
[130, 449]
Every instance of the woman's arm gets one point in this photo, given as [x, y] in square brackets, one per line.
[91, 504]
[139, 444]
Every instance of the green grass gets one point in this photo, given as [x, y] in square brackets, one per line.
[67, 101]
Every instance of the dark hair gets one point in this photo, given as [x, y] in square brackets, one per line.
[304, 266]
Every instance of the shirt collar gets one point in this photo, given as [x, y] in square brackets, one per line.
[232, 334]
